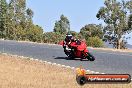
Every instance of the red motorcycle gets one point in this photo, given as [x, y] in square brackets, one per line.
[78, 49]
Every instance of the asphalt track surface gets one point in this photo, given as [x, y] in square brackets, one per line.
[106, 61]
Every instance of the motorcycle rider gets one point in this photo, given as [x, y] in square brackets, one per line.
[69, 38]
[67, 41]
[73, 44]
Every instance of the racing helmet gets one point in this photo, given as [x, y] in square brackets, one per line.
[69, 36]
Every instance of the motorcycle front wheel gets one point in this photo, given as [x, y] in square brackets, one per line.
[70, 55]
[90, 57]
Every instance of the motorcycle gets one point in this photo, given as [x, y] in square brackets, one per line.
[78, 49]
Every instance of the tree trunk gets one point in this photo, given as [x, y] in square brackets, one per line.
[119, 43]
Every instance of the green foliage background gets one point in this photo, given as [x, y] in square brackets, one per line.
[16, 24]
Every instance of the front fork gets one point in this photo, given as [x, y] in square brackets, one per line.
[84, 55]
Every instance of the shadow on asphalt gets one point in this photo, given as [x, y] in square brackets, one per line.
[66, 58]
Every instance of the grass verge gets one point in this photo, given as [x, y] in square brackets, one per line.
[23, 73]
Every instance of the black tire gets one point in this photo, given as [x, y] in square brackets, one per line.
[81, 80]
[70, 58]
[90, 57]
[70, 55]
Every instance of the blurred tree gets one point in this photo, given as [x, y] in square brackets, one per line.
[16, 18]
[20, 24]
[92, 30]
[114, 14]
[11, 28]
[53, 37]
[29, 13]
[3, 18]
[29, 22]
[35, 33]
[62, 26]
[130, 21]
[94, 42]
[129, 5]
